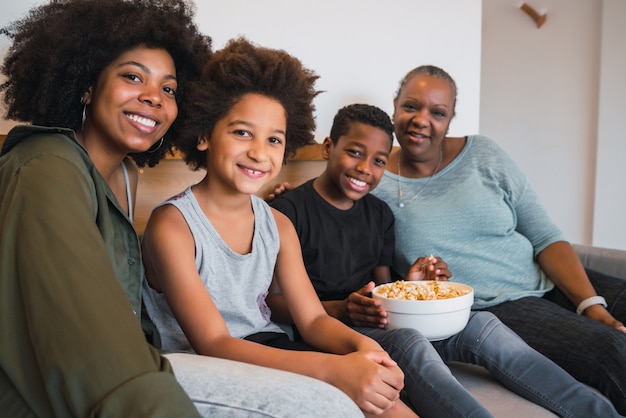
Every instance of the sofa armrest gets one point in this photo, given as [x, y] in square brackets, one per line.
[605, 260]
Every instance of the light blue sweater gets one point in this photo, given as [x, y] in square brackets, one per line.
[481, 215]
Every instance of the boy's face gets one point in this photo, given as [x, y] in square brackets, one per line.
[356, 163]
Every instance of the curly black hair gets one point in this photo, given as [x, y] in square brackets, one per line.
[363, 113]
[60, 49]
[238, 69]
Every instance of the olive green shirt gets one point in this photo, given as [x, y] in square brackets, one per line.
[71, 344]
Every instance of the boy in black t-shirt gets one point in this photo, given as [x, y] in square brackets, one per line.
[346, 233]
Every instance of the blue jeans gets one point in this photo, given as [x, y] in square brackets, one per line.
[590, 351]
[433, 391]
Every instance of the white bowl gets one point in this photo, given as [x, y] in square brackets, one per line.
[435, 319]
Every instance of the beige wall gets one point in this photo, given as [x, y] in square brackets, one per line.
[360, 48]
[609, 226]
[541, 99]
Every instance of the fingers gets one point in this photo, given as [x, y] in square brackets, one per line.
[362, 296]
[364, 311]
[391, 374]
[384, 394]
[278, 189]
[441, 270]
[429, 268]
[372, 318]
[362, 375]
[389, 362]
[376, 407]
[437, 269]
[379, 403]
[601, 314]
[366, 290]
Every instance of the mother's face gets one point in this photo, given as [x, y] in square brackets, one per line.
[133, 103]
[422, 113]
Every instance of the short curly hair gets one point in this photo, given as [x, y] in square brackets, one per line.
[238, 69]
[60, 49]
[363, 113]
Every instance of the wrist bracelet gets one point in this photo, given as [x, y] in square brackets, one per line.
[594, 300]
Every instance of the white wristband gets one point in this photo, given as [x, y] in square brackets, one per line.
[594, 300]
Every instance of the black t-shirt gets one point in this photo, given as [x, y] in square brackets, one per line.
[340, 247]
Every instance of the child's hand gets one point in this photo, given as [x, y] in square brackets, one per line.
[371, 378]
[279, 189]
[429, 268]
[363, 311]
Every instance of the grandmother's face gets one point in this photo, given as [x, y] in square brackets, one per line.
[422, 113]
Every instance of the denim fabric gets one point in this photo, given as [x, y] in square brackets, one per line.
[429, 386]
[485, 341]
[590, 351]
[230, 389]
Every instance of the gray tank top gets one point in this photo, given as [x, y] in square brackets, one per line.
[237, 283]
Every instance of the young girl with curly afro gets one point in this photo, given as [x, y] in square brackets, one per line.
[211, 251]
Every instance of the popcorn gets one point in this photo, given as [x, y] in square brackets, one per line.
[426, 290]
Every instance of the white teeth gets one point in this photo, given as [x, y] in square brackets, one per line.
[144, 121]
[356, 182]
[255, 172]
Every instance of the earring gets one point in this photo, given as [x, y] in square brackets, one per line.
[82, 121]
[151, 150]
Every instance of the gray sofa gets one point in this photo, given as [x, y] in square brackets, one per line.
[500, 401]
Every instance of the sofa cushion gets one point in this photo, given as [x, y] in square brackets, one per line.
[605, 260]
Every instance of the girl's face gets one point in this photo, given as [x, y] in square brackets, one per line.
[133, 102]
[247, 146]
[422, 114]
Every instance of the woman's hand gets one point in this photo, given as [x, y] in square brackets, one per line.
[561, 264]
[600, 314]
[429, 268]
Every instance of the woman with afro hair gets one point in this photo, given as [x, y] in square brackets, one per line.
[210, 252]
[98, 81]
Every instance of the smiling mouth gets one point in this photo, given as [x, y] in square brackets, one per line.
[251, 171]
[417, 135]
[141, 120]
[358, 183]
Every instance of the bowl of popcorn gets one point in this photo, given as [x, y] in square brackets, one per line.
[438, 309]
